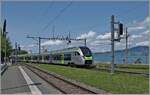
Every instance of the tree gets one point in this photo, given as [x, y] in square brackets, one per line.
[5, 42]
[19, 52]
[22, 52]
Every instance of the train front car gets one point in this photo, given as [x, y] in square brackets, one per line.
[87, 55]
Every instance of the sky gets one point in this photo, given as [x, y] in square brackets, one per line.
[83, 19]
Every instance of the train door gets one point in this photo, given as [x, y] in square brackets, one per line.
[50, 58]
[77, 58]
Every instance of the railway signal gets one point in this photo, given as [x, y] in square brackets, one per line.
[113, 39]
[120, 31]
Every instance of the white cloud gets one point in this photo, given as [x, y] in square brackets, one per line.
[90, 34]
[27, 46]
[105, 36]
[100, 42]
[144, 43]
[135, 28]
[135, 36]
[145, 32]
[139, 26]
[139, 33]
[51, 42]
[146, 21]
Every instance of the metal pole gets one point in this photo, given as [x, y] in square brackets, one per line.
[15, 52]
[39, 47]
[112, 44]
[126, 50]
[5, 59]
[85, 42]
[53, 30]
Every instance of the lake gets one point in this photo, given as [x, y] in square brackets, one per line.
[119, 57]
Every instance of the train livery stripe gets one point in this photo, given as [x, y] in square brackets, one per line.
[88, 58]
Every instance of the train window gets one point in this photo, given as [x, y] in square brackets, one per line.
[67, 56]
[57, 57]
[34, 57]
[77, 53]
[46, 57]
[29, 58]
[86, 51]
[40, 57]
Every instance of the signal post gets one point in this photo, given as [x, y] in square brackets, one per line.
[113, 39]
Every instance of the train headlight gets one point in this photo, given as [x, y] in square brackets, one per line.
[88, 58]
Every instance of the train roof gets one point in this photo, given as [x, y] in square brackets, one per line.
[56, 51]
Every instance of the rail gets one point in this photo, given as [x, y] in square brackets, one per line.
[62, 84]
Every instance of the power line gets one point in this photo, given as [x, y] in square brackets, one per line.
[57, 16]
[44, 13]
[47, 9]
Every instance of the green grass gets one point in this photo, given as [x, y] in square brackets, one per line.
[145, 71]
[127, 67]
[133, 66]
[117, 83]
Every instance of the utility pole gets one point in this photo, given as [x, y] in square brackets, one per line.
[112, 43]
[85, 42]
[39, 44]
[113, 39]
[126, 50]
[19, 48]
[39, 38]
[68, 37]
[53, 30]
[16, 52]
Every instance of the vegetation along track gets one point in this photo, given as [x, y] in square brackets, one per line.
[121, 71]
[59, 83]
[104, 69]
[108, 70]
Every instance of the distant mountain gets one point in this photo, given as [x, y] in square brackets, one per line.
[138, 50]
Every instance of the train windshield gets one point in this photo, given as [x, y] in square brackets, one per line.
[86, 51]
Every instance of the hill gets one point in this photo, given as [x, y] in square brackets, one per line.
[134, 50]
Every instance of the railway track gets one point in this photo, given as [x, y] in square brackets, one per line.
[121, 71]
[63, 85]
[104, 69]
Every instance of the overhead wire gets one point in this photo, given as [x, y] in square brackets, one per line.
[57, 16]
[48, 8]
[45, 12]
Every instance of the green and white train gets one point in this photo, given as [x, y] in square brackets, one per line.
[75, 55]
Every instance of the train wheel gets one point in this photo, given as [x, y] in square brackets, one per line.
[72, 64]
